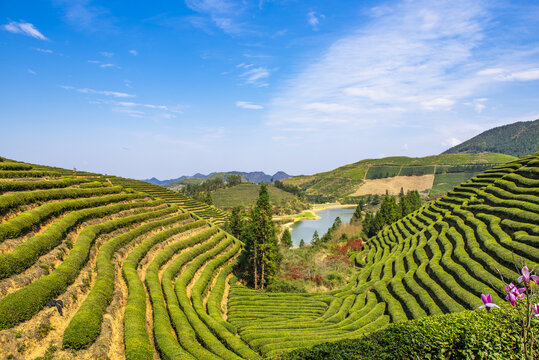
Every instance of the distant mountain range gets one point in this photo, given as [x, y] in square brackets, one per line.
[254, 177]
[517, 139]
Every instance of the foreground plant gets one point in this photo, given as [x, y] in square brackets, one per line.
[526, 310]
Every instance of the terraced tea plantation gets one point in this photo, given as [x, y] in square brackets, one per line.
[145, 273]
[124, 270]
[438, 259]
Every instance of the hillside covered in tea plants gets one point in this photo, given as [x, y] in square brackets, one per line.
[431, 175]
[145, 273]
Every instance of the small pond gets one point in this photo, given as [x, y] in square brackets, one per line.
[304, 229]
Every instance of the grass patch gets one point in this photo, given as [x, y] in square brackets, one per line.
[246, 195]
[446, 182]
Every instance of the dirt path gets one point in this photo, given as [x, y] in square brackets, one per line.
[224, 301]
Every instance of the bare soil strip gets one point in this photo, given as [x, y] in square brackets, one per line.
[394, 184]
[224, 301]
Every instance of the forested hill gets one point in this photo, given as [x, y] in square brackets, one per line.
[518, 139]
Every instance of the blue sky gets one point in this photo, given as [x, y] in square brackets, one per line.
[142, 89]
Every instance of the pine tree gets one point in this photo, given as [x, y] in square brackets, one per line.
[316, 238]
[208, 199]
[235, 223]
[368, 224]
[286, 239]
[357, 216]
[261, 246]
[301, 243]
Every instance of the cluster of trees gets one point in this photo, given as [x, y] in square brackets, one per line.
[300, 193]
[202, 191]
[260, 259]
[391, 210]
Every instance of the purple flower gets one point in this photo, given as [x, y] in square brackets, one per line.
[527, 277]
[487, 302]
[535, 310]
[514, 293]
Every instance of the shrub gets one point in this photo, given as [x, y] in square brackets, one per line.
[463, 335]
[286, 286]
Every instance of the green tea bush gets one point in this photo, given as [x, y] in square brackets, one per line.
[24, 303]
[12, 200]
[27, 253]
[85, 326]
[30, 219]
[463, 335]
[17, 185]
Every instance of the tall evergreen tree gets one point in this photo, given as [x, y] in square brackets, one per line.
[357, 216]
[261, 246]
[208, 199]
[235, 223]
[286, 239]
[368, 224]
[316, 238]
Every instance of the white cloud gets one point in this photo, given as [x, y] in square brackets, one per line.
[248, 105]
[501, 74]
[85, 15]
[103, 65]
[329, 108]
[255, 76]
[47, 51]
[314, 19]
[107, 54]
[133, 52]
[115, 94]
[437, 104]
[32, 72]
[413, 58]
[25, 29]
[130, 112]
[451, 142]
[478, 104]
[223, 13]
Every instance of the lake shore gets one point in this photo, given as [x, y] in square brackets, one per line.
[305, 214]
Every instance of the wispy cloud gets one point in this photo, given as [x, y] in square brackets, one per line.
[223, 13]
[115, 94]
[477, 104]
[25, 29]
[254, 75]
[31, 72]
[46, 51]
[451, 142]
[313, 19]
[500, 74]
[134, 109]
[107, 53]
[103, 64]
[411, 60]
[84, 15]
[248, 105]
[133, 52]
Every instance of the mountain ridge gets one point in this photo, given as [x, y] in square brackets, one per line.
[254, 177]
